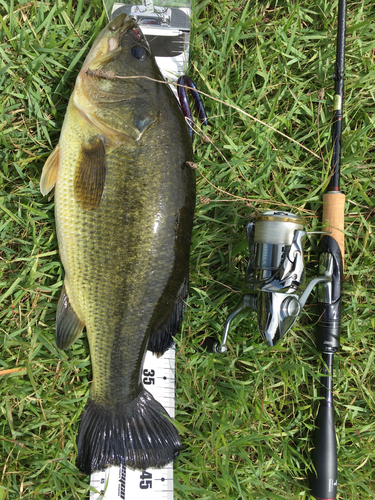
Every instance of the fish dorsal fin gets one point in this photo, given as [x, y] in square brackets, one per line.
[49, 172]
[89, 178]
[68, 325]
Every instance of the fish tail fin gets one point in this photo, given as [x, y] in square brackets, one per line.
[137, 434]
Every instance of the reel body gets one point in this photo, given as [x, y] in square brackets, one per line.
[276, 271]
[275, 275]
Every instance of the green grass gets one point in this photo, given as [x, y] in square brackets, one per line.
[249, 415]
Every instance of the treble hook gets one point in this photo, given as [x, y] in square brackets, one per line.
[185, 83]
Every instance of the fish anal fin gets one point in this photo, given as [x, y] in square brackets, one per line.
[68, 325]
[165, 326]
[49, 172]
[89, 178]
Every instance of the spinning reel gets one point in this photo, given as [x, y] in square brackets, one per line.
[275, 275]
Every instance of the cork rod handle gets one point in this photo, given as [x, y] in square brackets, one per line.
[333, 217]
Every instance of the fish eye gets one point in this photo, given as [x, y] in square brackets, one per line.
[139, 52]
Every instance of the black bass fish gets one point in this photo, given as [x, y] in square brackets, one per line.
[124, 204]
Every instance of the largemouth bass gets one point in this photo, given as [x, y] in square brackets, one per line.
[124, 204]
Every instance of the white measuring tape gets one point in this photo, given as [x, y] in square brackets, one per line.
[119, 483]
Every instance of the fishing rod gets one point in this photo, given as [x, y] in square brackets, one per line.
[324, 457]
[278, 288]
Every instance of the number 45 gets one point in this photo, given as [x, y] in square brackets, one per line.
[146, 480]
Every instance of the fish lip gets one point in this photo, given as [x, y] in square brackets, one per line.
[128, 25]
[121, 25]
[117, 30]
[118, 22]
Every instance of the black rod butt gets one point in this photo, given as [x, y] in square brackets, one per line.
[324, 481]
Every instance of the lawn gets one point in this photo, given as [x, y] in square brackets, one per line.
[246, 418]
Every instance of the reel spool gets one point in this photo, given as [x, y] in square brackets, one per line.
[275, 275]
[272, 237]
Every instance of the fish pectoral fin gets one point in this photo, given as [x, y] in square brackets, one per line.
[90, 175]
[68, 325]
[49, 172]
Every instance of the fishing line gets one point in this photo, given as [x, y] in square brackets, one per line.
[192, 126]
[201, 133]
[110, 75]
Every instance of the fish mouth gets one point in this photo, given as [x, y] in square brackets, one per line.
[110, 40]
[118, 29]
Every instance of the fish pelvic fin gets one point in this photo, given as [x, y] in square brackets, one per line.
[49, 172]
[138, 434]
[68, 325]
